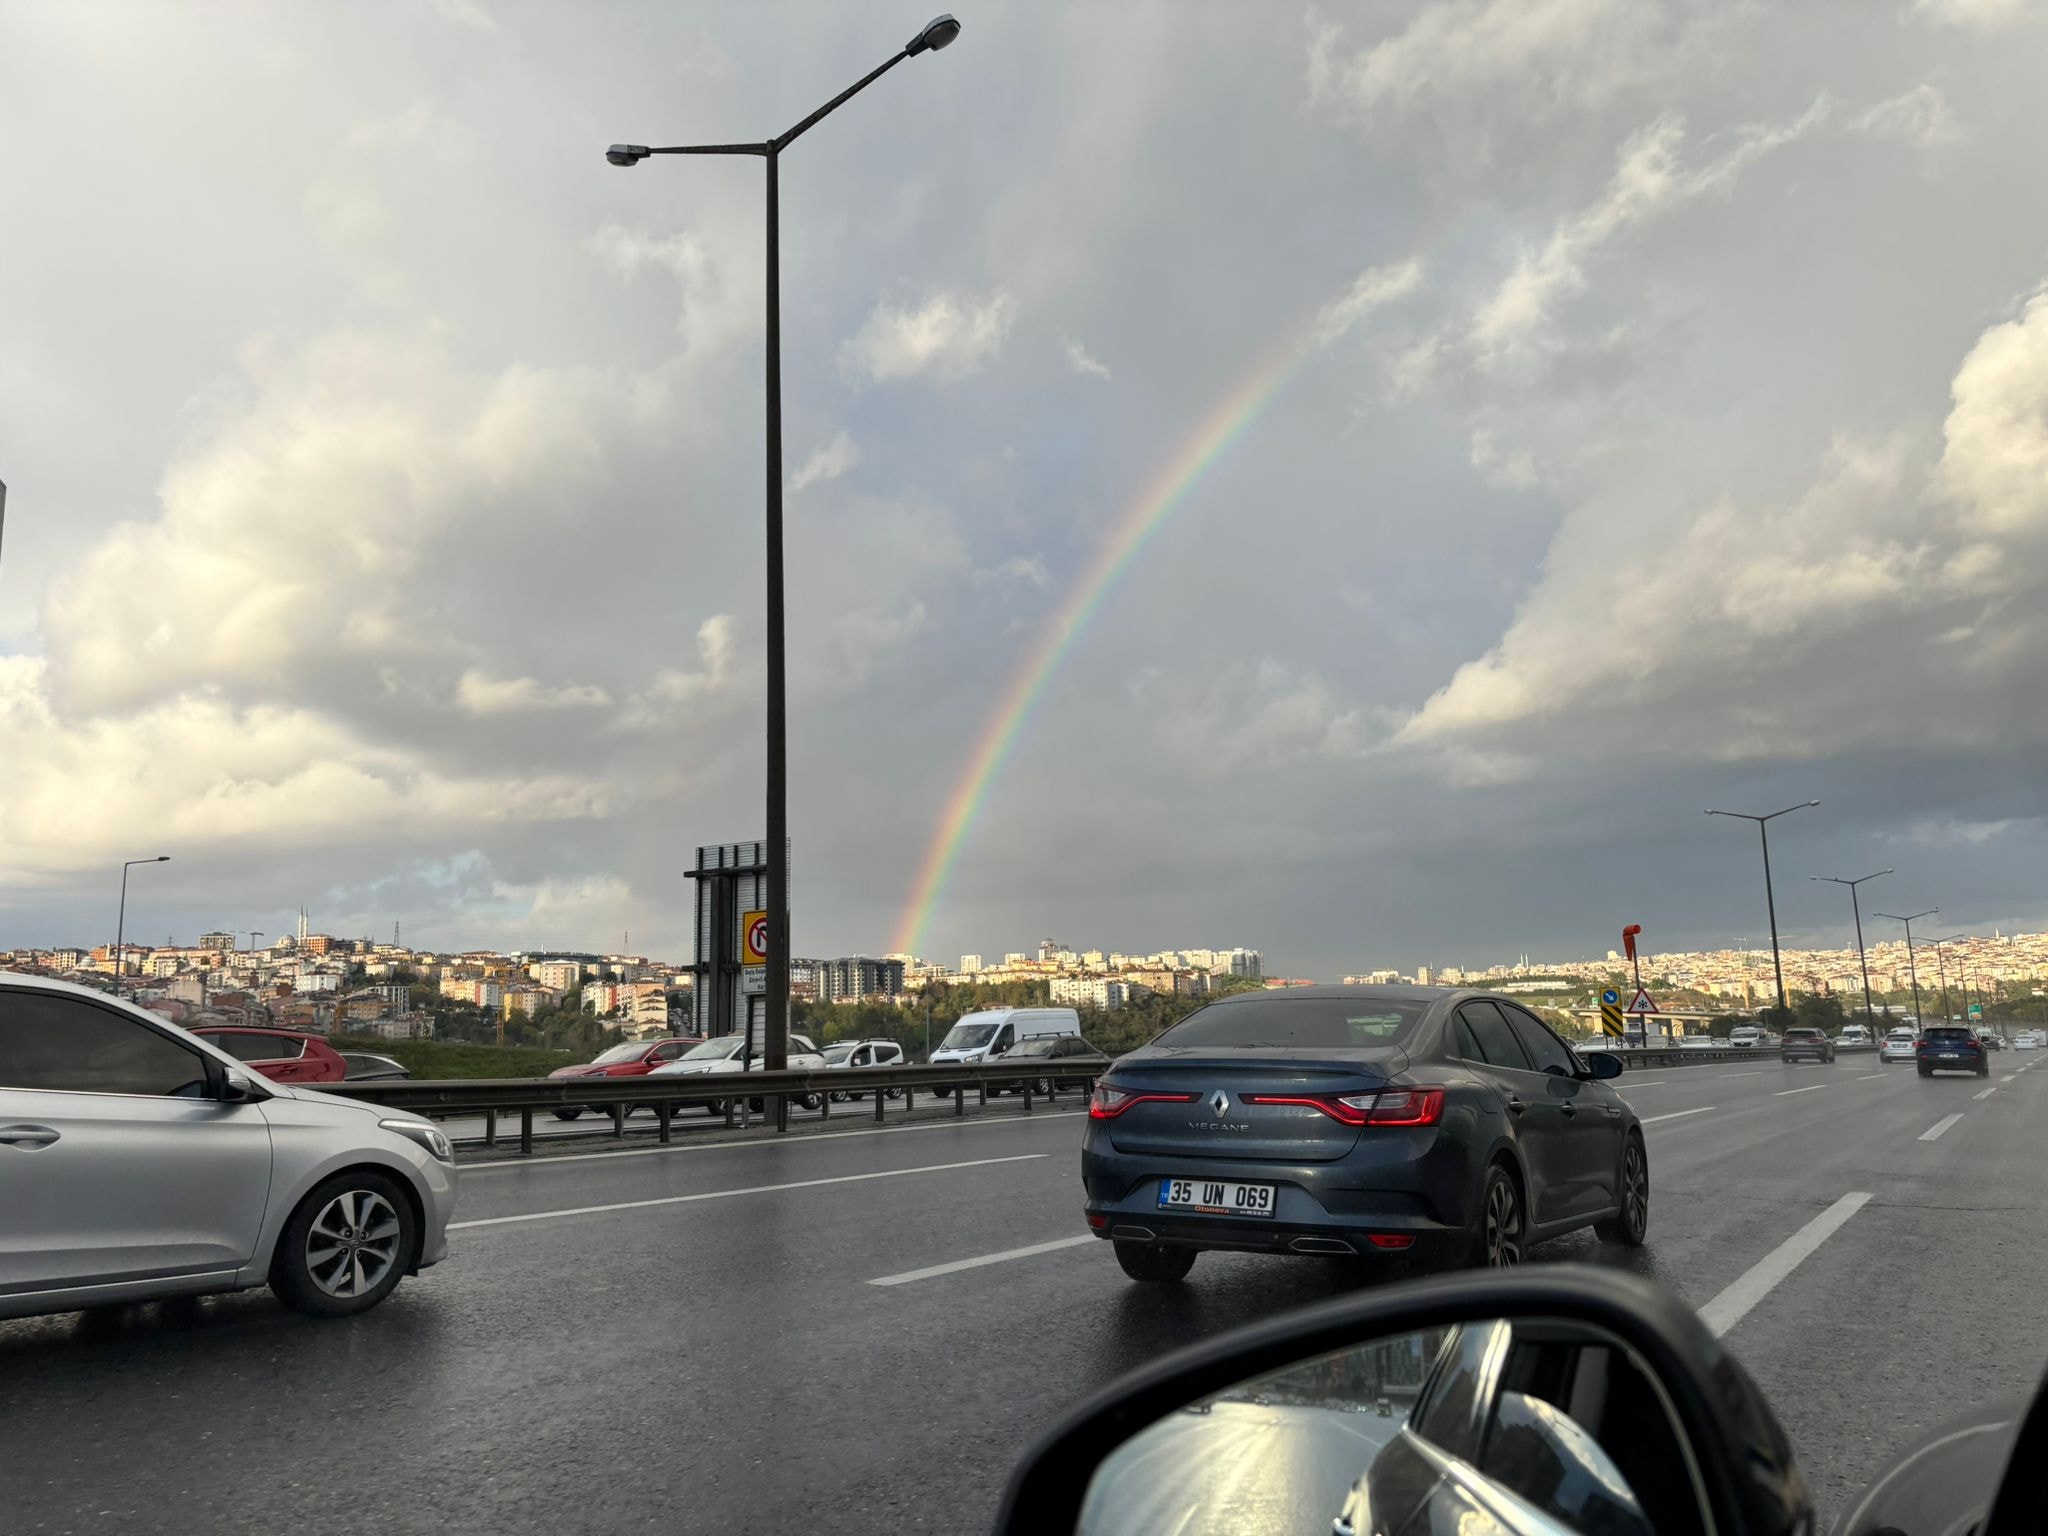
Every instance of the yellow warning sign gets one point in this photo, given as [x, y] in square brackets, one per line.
[1610, 1019]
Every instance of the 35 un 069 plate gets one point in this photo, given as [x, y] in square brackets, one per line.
[1208, 1197]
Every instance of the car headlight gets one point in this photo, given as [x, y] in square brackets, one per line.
[428, 1136]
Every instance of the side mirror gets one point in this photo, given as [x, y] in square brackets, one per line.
[1559, 1398]
[240, 1088]
[1601, 1064]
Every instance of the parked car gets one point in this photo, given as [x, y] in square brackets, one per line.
[1049, 1058]
[729, 1053]
[1395, 1123]
[282, 1055]
[990, 1032]
[863, 1053]
[368, 1067]
[636, 1058]
[1951, 1048]
[1802, 1044]
[1899, 1045]
[139, 1160]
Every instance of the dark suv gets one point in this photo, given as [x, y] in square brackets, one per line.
[1951, 1049]
[1805, 1045]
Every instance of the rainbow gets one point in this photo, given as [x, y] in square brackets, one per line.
[1209, 442]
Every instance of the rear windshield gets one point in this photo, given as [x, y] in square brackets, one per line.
[1298, 1021]
[1950, 1036]
[1802, 1034]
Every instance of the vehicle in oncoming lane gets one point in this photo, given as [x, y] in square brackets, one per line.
[730, 1053]
[1899, 1045]
[1444, 1126]
[842, 1054]
[1745, 1037]
[1950, 1048]
[139, 1160]
[989, 1033]
[635, 1058]
[1047, 1060]
[1802, 1044]
[282, 1055]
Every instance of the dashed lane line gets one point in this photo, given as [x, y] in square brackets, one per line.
[1933, 1132]
[1987, 1092]
[755, 1189]
[1762, 1277]
[987, 1258]
[1814, 1088]
[1679, 1114]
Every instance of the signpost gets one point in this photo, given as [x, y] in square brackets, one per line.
[754, 954]
[1610, 1018]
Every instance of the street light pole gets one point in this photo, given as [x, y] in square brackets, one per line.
[934, 35]
[121, 918]
[1856, 909]
[1771, 901]
[1912, 969]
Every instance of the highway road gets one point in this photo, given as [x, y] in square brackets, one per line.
[861, 1329]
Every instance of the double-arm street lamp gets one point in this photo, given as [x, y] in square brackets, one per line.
[121, 919]
[1857, 910]
[1912, 970]
[934, 35]
[1962, 972]
[1770, 901]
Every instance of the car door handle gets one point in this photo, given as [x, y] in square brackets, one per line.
[1515, 1105]
[30, 1136]
[1569, 1111]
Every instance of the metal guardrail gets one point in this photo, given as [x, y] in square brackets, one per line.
[1636, 1059]
[725, 1091]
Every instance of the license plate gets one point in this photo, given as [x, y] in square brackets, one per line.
[1210, 1197]
[1950, 1056]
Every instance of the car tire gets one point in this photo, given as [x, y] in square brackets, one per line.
[1926, 1071]
[346, 1246]
[894, 1093]
[1043, 1087]
[1154, 1264]
[1503, 1226]
[714, 1107]
[1632, 1224]
[944, 1093]
[807, 1101]
[1985, 1070]
[568, 1114]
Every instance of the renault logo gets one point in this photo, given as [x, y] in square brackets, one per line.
[1220, 1102]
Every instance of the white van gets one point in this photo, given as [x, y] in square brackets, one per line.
[987, 1034]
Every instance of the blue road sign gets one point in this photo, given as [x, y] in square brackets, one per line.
[1610, 996]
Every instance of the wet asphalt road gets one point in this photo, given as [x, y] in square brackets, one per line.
[722, 1363]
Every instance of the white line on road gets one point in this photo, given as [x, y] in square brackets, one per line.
[756, 1189]
[1678, 1114]
[1938, 1127]
[1762, 1277]
[1758, 1072]
[1873, 1077]
[1814, 1088]
[2008, 1079]
[987, 1258]
[1985, 1094]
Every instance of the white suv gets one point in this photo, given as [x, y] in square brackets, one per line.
[728, 1053]
[138, 1161]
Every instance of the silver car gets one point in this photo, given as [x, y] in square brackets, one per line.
[137, 1161]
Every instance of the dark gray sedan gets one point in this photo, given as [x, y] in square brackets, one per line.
[1424, 1124]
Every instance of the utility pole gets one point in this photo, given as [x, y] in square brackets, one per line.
[1856, 909]
[1912, 969]
[1770, 901]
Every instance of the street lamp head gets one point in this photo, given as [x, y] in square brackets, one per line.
[935, 34]
[163, 858]
[626, 154]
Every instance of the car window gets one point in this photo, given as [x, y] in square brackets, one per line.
[1298, 1021]
[1949, 1036]
[1002, 1040]
[861, 1057]
[1490, 1032]
[670, 1051]
[62, 1044]
[1447, 1414]
[248, 1045]
[1545, 1049]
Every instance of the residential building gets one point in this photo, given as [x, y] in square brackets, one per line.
[220, 941]
[406, 1026]
[557, 976]
[525, 999]
[857, 976]
[969, 964]
[1098, 992]
[803, 978]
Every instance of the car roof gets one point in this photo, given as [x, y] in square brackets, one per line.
[1402, 994]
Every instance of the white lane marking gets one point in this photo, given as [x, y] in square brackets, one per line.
[987, 1258]
[1985, 1094]
[1018, 1118]
[1646, 1085]
[2008, 1079]
[756, 1189]
[1815, 1088]
[1678, 1114]
[1758, 1072]
[1762, 1277]
[1873, 1077]
[1938, 1127]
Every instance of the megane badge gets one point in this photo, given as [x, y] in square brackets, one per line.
[1220, 1103]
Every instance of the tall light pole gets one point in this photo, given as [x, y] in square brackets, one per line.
[121, 919]
[934, 35]
[1912, 969]
[1856, 909]
[1770, 901]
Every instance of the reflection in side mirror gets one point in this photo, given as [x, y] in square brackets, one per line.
[1602, 1064]
[240, 1088]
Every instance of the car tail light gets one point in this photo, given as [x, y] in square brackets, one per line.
[1394, 1106]
[1107, 1102]
[1391, 1241]
[1097, 1220]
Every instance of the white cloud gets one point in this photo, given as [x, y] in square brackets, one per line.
[1370, 290]
[1025, 568]
[948, 336]
[478, 693]
[674, 691]
[868, 637]
[1919, 117]
[720, 283]
[1977, 15]
[1080, 362]
[827, 462]
[467, 13]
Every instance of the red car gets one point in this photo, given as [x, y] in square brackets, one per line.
[282, 1055]
[634, 1059]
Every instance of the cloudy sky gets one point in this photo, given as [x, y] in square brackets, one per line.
[1645, 408]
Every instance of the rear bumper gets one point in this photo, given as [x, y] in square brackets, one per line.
[1806, 1053]
[1962, 1064]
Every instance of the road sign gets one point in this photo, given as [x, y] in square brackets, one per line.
[1976, 1011]
[1641, 1003]
[754, 938]
[754, 981]
[1611, 996]
[1610, 1017]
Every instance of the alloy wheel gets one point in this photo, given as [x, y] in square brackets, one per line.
[353, 1243]
[1503, 1225]
[1635, 1190]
